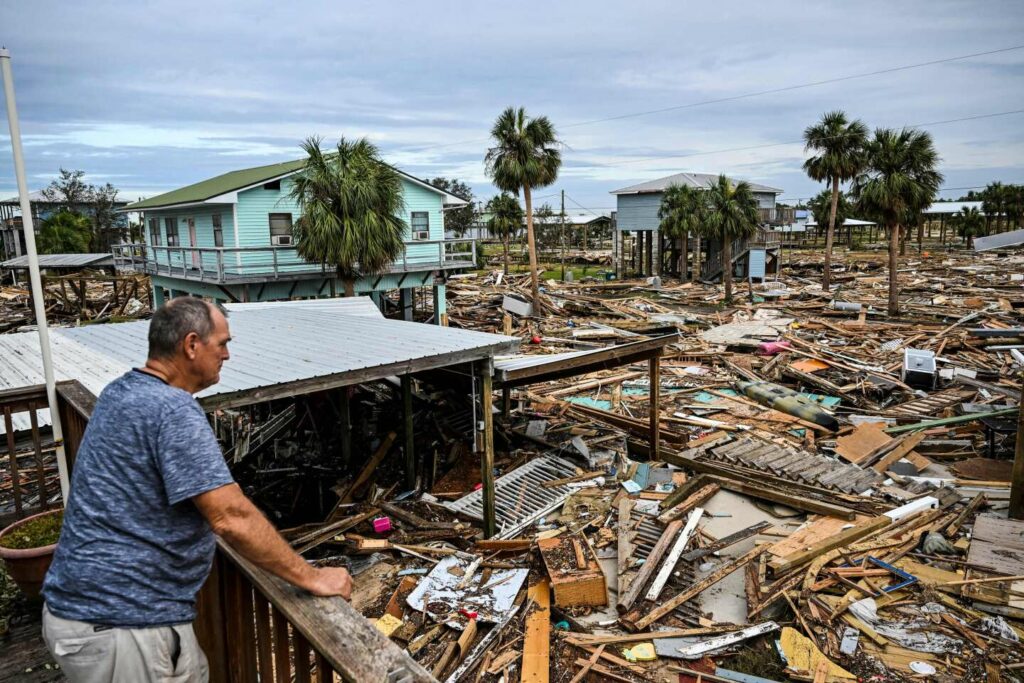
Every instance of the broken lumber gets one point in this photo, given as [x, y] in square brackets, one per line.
[781, 565]
[537, 641]
[627, 599]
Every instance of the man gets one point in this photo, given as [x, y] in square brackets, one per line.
[149, 490]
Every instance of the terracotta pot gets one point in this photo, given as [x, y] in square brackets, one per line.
[28, 567]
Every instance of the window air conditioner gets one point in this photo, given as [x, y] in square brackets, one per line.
[281, 240]
[421, 235]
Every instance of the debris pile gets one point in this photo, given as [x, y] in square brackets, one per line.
[76, 298]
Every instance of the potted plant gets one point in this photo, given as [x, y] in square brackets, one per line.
[27, 549]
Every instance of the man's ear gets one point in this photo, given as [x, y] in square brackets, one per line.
[189, 345]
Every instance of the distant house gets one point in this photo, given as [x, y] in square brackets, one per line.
[229, 238]
[640, 249]
[12, 236]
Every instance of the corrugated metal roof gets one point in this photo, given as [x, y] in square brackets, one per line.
[1001, 240]
[952, 207]
[62, 261]
[271, 345]
[700, 181]
[350, 305]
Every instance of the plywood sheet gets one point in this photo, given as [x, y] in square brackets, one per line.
[997, 545]
[537, 642]
[818, 529]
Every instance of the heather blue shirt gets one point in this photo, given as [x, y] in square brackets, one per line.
[134, 549]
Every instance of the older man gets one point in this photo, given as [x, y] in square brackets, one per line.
[149, 491]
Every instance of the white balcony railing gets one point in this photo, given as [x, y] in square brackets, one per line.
[222, 265]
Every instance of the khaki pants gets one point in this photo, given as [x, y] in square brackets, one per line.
[132, 655]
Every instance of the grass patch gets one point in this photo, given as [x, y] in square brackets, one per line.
[759, 660]
[36, 533]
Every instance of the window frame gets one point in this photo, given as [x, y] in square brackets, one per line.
[154, 232]
[414, 232]
[173, 239]
[217, 221]
[270, 226]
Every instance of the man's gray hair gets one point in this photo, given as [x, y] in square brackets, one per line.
[175, 320]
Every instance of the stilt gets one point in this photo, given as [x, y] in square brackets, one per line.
[487, 457]
[440, 305]
[654, 366]
[506, 403]
[405, 303]
[345, 426]
[1017, 477]
[410, 455]
[158, 296]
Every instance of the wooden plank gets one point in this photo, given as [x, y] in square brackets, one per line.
[699, 497]
[367, 472]
[263, 638]
[282, 646]
[487, 455]
[997, 545]
[625, 544]
[696, 589]
[585, 669]
[351, 645]
[861, 530]
[673, 556]
[627, 599]
[537, 641]
[725, 542]
[302, 650]
[902, 449]
[655, 408]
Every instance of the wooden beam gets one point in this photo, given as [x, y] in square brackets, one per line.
[409, 438]
[650, 565]
[654, 396]
[694, 590]
[673, 556]
[625, 546]
[537, 641]
[487, 456]
[855, 533]
[1016, 510]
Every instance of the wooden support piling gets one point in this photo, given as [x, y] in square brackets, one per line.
[487, 458]
[410, 454]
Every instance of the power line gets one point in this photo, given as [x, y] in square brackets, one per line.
[943, 189]
[800, 141]
[732, 98]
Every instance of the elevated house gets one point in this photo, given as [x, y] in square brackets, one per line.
[229, 238]
[639, 248]
[12, 236]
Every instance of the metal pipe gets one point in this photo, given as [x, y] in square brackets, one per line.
[38, 302]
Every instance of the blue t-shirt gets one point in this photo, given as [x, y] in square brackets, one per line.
[134, 550]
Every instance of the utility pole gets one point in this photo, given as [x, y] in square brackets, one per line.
[38, 295]
[563, 235]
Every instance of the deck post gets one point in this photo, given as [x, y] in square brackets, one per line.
[1016, 510]
[405, 303]
[654, 366]
[345, 424]
[410, 455]
[440, 305]
[487, 458]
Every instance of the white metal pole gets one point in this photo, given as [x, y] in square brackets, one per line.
[33, 270]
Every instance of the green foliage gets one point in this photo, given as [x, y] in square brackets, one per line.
[64, 233]
[732, 215]
[352, 205]
[1003, 205]
[506, 216]
[969, 222]
[547, 227]
[35, 533]
[840, 146]
[683, 211]
[96, 202]
[821, 205]
[901, 177]
[457, 220]
[525, 156]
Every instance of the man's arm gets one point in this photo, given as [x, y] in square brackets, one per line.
[235, 519]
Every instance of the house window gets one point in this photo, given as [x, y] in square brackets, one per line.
[420, 225]
[281, 229]
[171, 226]
[218, 231]
[272, 185]
[154, 232]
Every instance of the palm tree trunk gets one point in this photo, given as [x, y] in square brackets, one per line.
[504, 245]
[350, 286]
[695, 275]
[684, 248]
[920, 235]
[532, 247]
[826, 275]
[894, 295]
[727, 268]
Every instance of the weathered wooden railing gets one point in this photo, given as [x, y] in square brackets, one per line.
[32, 484]
[255, 627]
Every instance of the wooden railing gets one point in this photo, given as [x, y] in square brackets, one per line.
[778, 215]
[31, 483]
[221, 265]
[255, 627]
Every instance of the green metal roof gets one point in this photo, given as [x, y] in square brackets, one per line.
[222, 184]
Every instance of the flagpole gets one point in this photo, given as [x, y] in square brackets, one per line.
[33, 271]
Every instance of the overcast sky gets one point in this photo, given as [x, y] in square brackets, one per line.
[151, 96]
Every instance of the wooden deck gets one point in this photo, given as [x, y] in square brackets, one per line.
[23, 654]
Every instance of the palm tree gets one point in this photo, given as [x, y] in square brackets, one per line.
[65, 233]
[992, 198]
[352, 205]
[969, 222]
[682, 211]
[732, 215]
[506, 220]
[525, 156]
[899, 181]
[840, 147]
[820, 206]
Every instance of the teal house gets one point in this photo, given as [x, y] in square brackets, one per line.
[229, 238]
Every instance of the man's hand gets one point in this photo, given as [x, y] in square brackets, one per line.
[330, 581]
